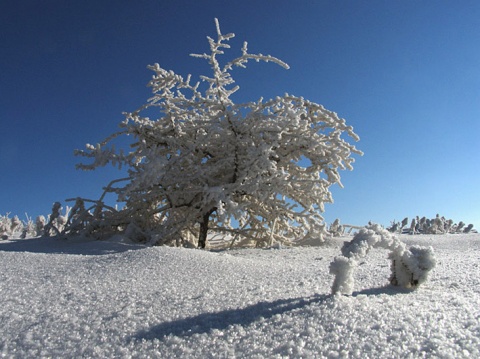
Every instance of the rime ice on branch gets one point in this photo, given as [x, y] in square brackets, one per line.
[260, 171]
[410, 266]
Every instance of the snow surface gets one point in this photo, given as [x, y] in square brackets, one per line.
[105, 299]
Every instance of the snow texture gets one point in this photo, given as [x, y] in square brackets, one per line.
[105, 299]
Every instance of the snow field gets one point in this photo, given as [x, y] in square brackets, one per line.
[111, 299]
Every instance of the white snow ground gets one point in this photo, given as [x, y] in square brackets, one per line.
[111, 299]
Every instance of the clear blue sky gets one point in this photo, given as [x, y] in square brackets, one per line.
[404, 74]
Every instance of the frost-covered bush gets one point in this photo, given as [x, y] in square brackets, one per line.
[410, 266]
[437, 225]
[200, 162]
[96, 220]
[336, 229]
[16, 228]
[10, 227]
[6, 226]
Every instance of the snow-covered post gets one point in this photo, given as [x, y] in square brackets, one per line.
[343, 268]
[410, 266]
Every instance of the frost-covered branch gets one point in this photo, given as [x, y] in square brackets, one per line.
[410, 266]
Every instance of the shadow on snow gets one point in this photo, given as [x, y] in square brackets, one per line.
[388, 289]
[74, 245]
[206, 322]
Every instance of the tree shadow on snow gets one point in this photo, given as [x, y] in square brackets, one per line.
[79, 245]
[206, 322]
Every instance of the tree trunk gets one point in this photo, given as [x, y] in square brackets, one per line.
[202, 236]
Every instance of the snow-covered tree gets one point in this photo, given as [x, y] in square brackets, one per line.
[259, 170]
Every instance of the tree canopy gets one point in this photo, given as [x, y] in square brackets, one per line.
[259, 171]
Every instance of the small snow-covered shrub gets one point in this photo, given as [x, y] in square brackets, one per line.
[5, 226]
[16, 228]
[28, 228]
[410, 266]
[336, 229]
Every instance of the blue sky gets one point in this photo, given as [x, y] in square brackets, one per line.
[404, 74]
